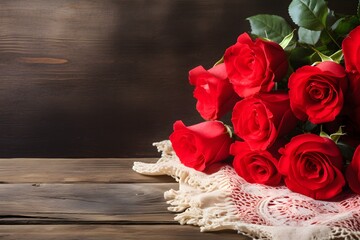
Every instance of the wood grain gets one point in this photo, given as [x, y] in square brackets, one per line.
[75, 171]
[87, 199]
[46, 203]
[111, 232]
[42, 60]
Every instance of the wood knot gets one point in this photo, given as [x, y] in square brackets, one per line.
[42, 60]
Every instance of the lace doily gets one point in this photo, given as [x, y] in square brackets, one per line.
[223, 200]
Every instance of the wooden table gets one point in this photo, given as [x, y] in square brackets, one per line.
[88, 199]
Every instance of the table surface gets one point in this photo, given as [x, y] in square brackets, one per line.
[88, 199]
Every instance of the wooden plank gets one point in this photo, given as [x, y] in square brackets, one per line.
[111, 232]
[49, 203]
[75, 170]
[92, 78]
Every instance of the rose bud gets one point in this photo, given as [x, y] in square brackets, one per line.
[214, 93]
[198, 146]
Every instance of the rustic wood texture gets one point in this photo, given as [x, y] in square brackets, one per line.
[106, 78]
[104, 170]
[88, 199]
[42, 203]
[111, 232]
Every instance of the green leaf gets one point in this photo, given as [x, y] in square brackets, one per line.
[347, 151]
[301, 56]
[308, 127]
[337, 56]
[331, 18]
[229, 130]
[310, 14]
[344, 25]
[271, 27]
[287, 40]
[308, 36]
[221, 60]
[336, 136]
[325, 41]
[358, 10]
[322, 133]
[314, 57]
[322, 56]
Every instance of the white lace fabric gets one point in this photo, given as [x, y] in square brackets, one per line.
[223, 200]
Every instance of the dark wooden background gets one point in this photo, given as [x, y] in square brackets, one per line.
[106, 78]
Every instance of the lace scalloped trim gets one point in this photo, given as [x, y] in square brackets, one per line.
[223, 200]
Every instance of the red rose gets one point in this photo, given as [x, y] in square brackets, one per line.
[353, 172]
[351, 51]
[254, 66]
[214, 92]
[260, 119]
[255, 166]
[312, 165]
[200, 145]
[317, 92]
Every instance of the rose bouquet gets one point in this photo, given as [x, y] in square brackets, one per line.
[293, 96]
